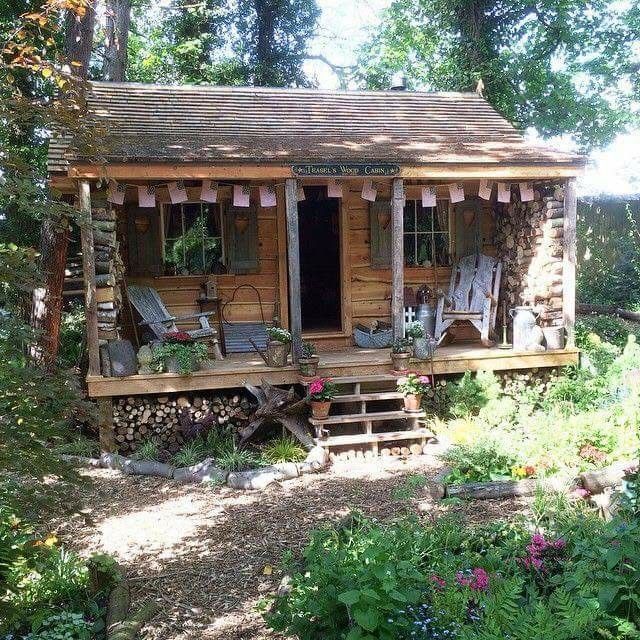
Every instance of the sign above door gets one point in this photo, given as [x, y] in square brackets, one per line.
[335, 170]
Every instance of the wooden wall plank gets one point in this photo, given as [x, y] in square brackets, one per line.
[293, 259]
[569, 260]
[397, 258]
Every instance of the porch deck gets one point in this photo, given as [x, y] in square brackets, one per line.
[238, 369]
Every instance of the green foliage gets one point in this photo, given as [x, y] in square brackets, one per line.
[80, 446]
[282, 450]
[529, 57]
[610, 329]
[472, 393]
[218, 441]
[576, 580]
[479, 462]
[411, 485]
[62, 626]
[238, 459]
[401, 345]
[308, 349]
[191, 453]
[72, 337]
[148, 450]
[187, 354]
[279, 334]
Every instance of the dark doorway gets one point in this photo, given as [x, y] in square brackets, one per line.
[319, 232]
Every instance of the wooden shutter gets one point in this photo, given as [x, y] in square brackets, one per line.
[241, 241]
[468, 233]
[144, 250]
[380, 226]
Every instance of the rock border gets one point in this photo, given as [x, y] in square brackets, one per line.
[207, 471]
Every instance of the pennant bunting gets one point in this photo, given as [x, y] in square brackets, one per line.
[267, 196]
[526, 191]
[146, 196]
[369, 191]
[334, 189]
[177, 192]
[456, 192]
[301, 195]
[241, 195]
[428, 197]
[209, 191]
[485, 189]
[116, 192]
[504, 192]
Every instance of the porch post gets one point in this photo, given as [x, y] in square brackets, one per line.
[293, 257]
[569, 260]
[89, 273]
[397, 258]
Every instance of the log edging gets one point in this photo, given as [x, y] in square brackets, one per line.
[207, 471]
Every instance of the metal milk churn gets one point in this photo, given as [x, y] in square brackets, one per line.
[426, 313]
[525, 327]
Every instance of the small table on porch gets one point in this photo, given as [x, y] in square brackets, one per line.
[214, 304]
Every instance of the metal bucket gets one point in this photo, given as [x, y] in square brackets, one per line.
[524, 325]
[554, 337]
[426, 314]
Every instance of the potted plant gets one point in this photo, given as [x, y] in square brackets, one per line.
[278, 347]
[321, 393]
[308, 361]
[418, 336]
[179, 353]
[412, 387]
[400, 353]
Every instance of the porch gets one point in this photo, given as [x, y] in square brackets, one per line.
[242, 368]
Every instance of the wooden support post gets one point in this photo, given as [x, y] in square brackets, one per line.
[293, 256]
[89, 273]
[397, 258]
[106, 429]
[569, 260]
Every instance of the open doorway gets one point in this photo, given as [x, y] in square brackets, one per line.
[319, 233]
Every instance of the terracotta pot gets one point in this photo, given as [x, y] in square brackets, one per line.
[400, 361]
[412, 403]
[277, 353]
[320, 409]
[309, 366]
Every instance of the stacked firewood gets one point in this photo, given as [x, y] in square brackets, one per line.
[529, 237]
[158, 418]
[109, 271]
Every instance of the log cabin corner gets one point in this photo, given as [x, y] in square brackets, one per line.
[306, 209]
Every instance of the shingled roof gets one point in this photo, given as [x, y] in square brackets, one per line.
[267, 125]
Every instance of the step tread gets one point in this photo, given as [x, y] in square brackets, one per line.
[369, 397]
[364, 438]
[382, 377]
[374, 416]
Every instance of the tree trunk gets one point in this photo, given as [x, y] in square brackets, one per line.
[118, 18]
[78, 39]
[265, 31]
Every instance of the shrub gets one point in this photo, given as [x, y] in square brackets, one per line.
[471, 393]
[238, 459]
[191, 453]
[609, 329]
[62, 626]
[148, 450]
[219, 440]
[282, 450]
[308, 349]
[479, 462]
[279, 334]
[72, 332]
[81, 446]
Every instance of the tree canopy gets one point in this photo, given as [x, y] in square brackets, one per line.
[560, 67]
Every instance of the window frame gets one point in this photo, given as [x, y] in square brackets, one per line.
[431, 233]
[165, 209]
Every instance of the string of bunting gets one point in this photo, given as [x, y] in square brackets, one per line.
[267, 193]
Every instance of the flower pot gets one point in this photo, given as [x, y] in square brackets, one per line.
[309, 366]
[320, 409]
[277, 353]
[400, 361]
[412, 403]
[420, 348]
[554, 337]
[171, 364]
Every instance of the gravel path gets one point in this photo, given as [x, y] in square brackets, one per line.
[208, 555]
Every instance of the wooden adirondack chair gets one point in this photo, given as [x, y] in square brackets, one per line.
[473, 296]
[156, 317]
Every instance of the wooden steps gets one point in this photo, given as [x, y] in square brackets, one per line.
[360, 438]
[367, 417]
[368, 397]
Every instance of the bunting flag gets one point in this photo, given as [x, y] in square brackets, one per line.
[369, 192]
[209, 191]
[301, 195]
[334, 189]
[456, 192]
[428, 197]
[241, 195]
[177, 192]
[504, 192]
[526, 191]
[146, 196]
[485, 189]
[116, 192]
[268, 196]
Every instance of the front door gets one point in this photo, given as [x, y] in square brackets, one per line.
[319, 233]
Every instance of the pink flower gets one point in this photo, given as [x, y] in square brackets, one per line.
[538, 540]
[424, 379]
[316, 386]
[559, 544]
[580, 493]
[477, 581]
[438, 581]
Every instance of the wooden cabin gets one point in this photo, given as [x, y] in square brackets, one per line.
[315, 250]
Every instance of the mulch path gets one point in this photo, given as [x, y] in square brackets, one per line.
[208, 555]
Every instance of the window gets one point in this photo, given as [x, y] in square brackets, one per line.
[426, 233]
[193, 239]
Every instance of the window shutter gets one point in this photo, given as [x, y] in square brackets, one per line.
[241, 239]
[380, 226]
[467, 216]
[143, 242]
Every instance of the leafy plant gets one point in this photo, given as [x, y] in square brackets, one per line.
[308, 349]
[401, 345]
[470, 394]
[413, 384]
[183, 348]
[282, 450]
[62, 626]
[148, 450]
[191, 453]
[72, 337]
[322, 390]
[81, 446]
[416, 330]
[279, 334]
[238, 459]
[219, 440]
[479, 462]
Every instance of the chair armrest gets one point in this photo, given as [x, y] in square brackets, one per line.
[146, 323]
[196, 316]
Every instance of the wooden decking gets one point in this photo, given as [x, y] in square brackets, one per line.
[238, 369]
